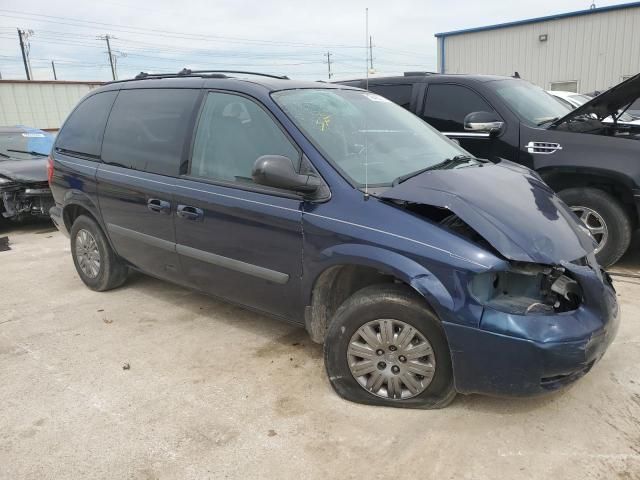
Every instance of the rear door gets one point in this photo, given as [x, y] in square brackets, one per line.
[144, 144]
[236, 239]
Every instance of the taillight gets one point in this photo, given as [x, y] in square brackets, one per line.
[50, 168]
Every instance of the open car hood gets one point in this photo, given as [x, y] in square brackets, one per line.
[506, 204]
[24, 170]
[607, 103]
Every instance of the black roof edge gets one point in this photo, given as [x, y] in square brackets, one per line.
[185, 72]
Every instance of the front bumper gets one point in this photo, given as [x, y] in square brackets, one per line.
[560, 349]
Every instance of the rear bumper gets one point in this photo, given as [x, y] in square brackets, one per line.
[494, 363]
[55, 213]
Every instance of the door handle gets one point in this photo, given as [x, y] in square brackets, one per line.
[159, 206]
[190, 213]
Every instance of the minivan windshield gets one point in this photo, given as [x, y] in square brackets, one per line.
[24, 144]
[532, 104]
[370, 139]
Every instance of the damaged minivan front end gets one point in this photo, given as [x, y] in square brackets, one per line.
[539, 318]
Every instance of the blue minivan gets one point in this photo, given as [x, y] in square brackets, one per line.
[423, 270]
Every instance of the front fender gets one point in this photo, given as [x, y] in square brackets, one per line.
[389, 262]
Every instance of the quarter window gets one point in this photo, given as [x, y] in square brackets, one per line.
[147, 129]
[233, 132]
[447, 105]
[83, 130]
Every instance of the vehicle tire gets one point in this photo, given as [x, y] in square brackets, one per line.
[371, 349]
[96, 262]
[604, 217]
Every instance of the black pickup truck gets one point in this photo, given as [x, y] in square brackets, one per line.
[594, 166]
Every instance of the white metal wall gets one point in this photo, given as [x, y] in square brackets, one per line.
[38, 104]
[597, 50]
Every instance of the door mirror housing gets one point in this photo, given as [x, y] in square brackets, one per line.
[483, 122]
[277, 171]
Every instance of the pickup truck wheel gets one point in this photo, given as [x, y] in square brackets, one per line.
[605, 218]
[385, 346]
[97, 264]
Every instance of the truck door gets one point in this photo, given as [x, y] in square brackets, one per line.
[446, 106]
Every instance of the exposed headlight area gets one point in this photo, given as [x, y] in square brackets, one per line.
[527, 289]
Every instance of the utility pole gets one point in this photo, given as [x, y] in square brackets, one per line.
[329, 65]
[113, 67]
[24, 48]
[53, 67]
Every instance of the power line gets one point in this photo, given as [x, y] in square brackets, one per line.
[166, 33]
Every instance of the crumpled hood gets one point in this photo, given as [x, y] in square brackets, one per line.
[607, 103]
[508, 205]
[24, 170]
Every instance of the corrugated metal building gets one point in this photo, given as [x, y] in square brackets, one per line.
[579, 51]
[39, 104]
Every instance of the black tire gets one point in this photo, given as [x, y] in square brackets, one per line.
[616, 219]
[112, 271]
[387, 301]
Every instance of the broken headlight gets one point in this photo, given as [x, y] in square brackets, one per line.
[527, 289]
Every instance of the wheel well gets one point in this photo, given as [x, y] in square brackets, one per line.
[332, 288]
[71, 212]
[616, 188]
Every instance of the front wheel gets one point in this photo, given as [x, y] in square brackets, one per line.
[605, 219]
[385, 346]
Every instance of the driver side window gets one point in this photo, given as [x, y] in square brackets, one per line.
[447, 105]
[232, 133]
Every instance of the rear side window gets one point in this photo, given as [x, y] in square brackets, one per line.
[147, 129]
[233, 132]
[83, 130]
[447, 105]
[400, 94]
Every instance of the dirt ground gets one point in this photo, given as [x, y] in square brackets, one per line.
[214, 391]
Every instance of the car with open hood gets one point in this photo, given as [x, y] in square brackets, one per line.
[575, 100]
[424, 270]
[587, 155]
[24, 189]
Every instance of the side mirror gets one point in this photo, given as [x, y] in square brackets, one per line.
[277, 171]
[483, 122]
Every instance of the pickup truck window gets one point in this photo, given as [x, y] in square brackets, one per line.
[400, 94]
[532, 104]
[447, 105]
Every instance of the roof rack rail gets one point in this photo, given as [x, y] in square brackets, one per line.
[417, 74]
[185, 72]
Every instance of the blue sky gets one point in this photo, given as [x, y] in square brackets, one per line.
[282, 37]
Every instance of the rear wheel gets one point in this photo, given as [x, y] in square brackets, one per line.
[96, 263]
[385, 346]
[604, 217]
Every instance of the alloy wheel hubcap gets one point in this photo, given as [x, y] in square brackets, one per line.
[87, 253]
[391, 359]
[594, 223]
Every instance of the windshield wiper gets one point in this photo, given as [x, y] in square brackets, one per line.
[29, 152]
[4, 155]
[448, 163]
[547, 120]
